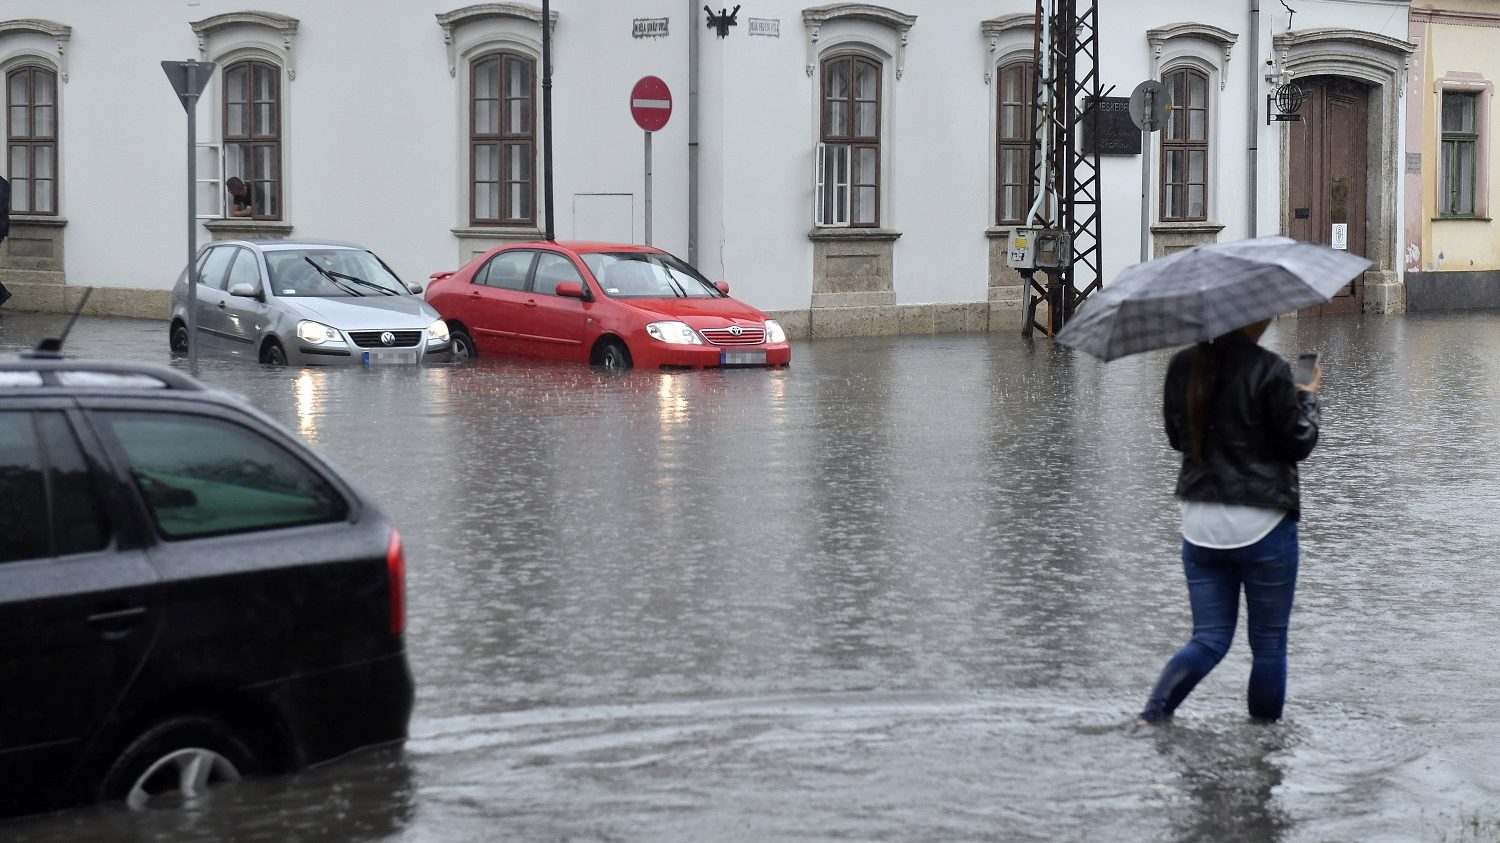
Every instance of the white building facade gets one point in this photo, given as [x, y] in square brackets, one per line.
[853, 167]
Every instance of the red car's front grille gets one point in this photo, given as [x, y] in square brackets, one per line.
[727, 336]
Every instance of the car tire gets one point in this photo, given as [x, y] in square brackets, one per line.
[174, 761]
[272, 354]
[179, 338]
[463, 345]
[612, 355]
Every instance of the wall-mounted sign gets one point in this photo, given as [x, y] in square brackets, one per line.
[1109, 129]
[1339, 237]
[649, 28]
[766, 26]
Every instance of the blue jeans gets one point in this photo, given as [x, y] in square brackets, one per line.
[1267, 570]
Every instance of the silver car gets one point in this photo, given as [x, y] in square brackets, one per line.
[302, 303]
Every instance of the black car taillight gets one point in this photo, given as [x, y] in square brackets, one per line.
[395, 574]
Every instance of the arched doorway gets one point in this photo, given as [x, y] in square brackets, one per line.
[1329, 175]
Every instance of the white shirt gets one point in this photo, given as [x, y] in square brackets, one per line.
[1225, 525]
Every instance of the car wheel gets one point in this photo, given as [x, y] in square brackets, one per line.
[175, 761]
[273, 354]
[179, 341]
[463, 346]
[613, 355]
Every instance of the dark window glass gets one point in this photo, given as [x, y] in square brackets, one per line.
[31, 139]
[1015, 143]
[849, 155]
[78, 522]
[252, 133]
[1184, 148]
[1459, 154]
[553, 269]
[506, 270]
[502, 140]
[203, 476]
[23, 516]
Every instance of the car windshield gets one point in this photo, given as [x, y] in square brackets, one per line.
[647, 275]
[327, 273]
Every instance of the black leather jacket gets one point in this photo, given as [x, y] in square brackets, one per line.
[1259, 425]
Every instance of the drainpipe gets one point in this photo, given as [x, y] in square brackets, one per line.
[1253, 111]
[693, 28]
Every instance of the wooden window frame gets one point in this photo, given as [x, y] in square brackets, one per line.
[1449, 144]
[31, 141]
[1026, 142]
[266, 184]
[850, 139]
[503, 139]
[1186, 145]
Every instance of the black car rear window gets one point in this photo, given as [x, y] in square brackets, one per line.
[203, 476]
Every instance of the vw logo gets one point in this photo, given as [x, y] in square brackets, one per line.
[387, 338]
[735, 330]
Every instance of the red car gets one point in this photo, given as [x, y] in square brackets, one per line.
[607, 304]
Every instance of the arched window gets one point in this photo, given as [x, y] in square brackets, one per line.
[1184, 148]
[252, 134]
[31, 139]
[849, 151]
[1015, 142]
[502, 140]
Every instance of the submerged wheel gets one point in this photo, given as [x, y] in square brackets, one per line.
[273, 354]
[176, 761]
[179, 338]
[612, 355]
[463, 345]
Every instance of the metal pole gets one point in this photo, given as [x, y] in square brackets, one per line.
[648, 188]
[192, 215]
[551, 231]
[1254, 122]
[693, 30]
[1147, 125]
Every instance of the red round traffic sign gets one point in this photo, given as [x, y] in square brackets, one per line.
[650, 103]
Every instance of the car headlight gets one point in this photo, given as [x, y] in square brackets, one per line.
[774, 332]
[437, 332]
[677, 333]
[316, 333]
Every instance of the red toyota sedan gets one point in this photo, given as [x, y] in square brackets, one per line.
[607, 304]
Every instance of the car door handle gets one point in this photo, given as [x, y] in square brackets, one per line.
[117, 621]
[221, 305]
[473, 292]
[531, 302]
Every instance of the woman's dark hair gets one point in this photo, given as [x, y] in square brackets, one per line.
[1200, 386]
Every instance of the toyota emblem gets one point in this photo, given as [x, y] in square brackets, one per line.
[387, 338]
[735, 330]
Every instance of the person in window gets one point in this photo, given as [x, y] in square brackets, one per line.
[243, 198]
[1242, 423]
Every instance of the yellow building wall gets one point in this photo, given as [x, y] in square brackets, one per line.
[1452, 49]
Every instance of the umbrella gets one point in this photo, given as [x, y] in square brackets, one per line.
[1205, 292]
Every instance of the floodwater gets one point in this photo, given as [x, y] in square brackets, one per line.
[911, 588]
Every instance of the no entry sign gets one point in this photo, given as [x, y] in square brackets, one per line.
[650, 103]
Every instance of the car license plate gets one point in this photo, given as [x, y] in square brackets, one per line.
[756, 357]
[385, 358]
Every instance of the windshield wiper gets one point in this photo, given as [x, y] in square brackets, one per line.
[362, 282]
[329, 274]
[672, 279]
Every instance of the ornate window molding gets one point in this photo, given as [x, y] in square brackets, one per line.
[219, 25]
[451, 22]
[59, 33]
[1222, 40]
[814, 19]
[1006, 36]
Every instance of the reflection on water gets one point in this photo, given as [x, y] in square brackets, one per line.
[911, 588]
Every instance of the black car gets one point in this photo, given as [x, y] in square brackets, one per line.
[188, 594]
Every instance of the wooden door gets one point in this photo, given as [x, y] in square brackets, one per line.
[1329, 173]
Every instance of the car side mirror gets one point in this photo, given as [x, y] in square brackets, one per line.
[416, 289]
[244, 290]
[438, 276]
[570, 289]
[723, 287]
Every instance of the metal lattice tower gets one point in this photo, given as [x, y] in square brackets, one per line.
[1066, 93]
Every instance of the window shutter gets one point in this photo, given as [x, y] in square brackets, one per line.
[210, 181]
[818, 188]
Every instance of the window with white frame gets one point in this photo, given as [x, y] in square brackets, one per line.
[1459, 155]
[31, 138]
[848, 165]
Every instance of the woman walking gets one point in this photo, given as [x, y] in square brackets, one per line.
[1242, 424]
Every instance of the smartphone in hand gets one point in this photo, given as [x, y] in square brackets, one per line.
[1307, 367]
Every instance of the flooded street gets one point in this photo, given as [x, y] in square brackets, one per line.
[911, 588]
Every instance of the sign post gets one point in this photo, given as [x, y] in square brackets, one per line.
[188, 79]
[651, 106]
[1149, 109]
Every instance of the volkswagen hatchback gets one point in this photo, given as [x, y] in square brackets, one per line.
[188, 594]
[612, 305]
